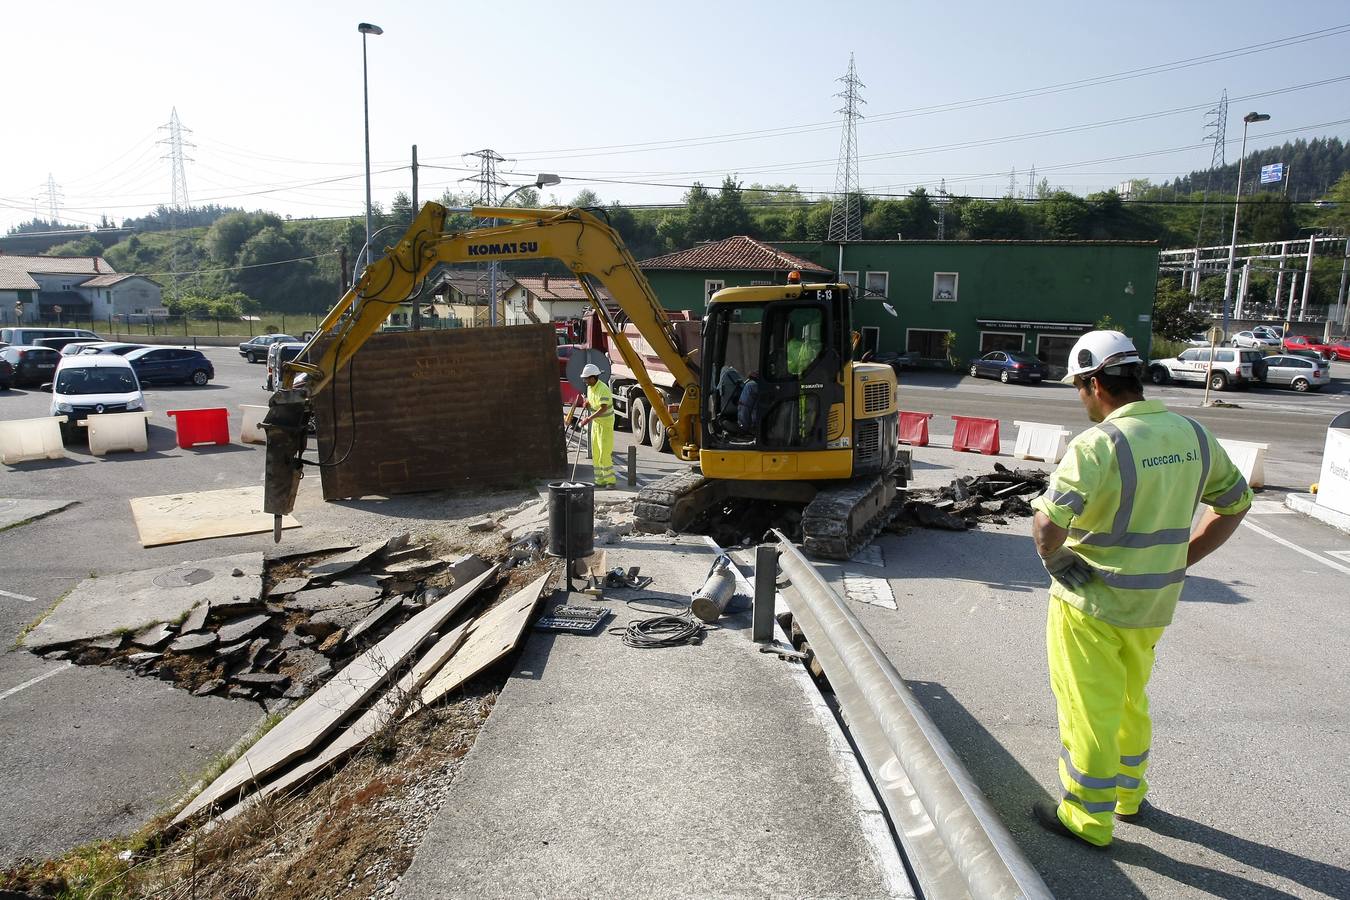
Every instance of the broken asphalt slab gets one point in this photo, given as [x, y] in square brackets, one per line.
[134, 600]
[17, 512]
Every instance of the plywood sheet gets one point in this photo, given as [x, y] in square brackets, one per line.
[434, 410]
[175, 518]
[377, 716]
[493, 635]
[326, 708]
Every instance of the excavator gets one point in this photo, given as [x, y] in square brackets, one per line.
[774, 411]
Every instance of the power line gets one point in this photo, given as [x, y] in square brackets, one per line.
[846, 212]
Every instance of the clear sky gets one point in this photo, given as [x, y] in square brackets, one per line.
[637, 92]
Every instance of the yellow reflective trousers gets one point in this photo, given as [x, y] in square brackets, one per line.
[602, 450]
[1099, 673]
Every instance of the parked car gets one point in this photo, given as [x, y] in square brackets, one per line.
[27, 337]
[1341, 351]
[1270, 331]
[172, 365]
[255, 349]
[278, 353]
[896, 360]
[6, 375]
[32, 365]
[93, 385]
[1252, 339]
[1303, 342]
[115, 347]
[60, 342]
[1231, 369]
[1008, 365]
[1198, 340]
[1297, 372]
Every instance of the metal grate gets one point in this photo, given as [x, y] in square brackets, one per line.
[868, 443]
[834, 425]
[876, 397]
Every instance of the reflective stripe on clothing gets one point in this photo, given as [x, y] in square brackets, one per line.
[1127, 491]
[598, 395]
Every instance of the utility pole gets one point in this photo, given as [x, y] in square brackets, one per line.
[178, 187]
[488, 183]
[1307, 280]
[344, 281]
[942, 201]
[1342, 301]
[52, 192]
[417, 300]
[846, 211]
[1216, 123]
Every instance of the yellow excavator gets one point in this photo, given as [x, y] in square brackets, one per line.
[774, 410]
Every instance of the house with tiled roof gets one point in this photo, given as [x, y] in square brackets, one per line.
[686, 279]
[549, 298]
[48, 288]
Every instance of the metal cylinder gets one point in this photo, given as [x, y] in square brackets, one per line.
[571, 519]
[711, 600]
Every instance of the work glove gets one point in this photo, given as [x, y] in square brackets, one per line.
[1067, 567]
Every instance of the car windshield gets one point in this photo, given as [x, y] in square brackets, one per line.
[100, 380]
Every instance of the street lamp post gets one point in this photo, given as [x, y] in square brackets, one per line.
[366, 28]
[1248, 119]
[542, 180]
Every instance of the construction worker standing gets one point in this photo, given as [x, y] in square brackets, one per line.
[1114, 531]
[600, 402]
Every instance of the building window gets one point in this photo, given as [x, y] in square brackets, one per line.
[1053, 350]
[944, 286]
[1002, 340]
[850, 279]
[67, 286]
[927, 342]
[877, 284]
[871, 339]
[710, 287]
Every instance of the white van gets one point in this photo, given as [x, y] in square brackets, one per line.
[91, 385]
[24, 336]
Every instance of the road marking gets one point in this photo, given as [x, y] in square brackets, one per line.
[24, 597]
[1343, 555]
[1295, 547]
[866, 589]
[32, 681]
[1270, 508]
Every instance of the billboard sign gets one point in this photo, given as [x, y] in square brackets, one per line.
[1272, 173]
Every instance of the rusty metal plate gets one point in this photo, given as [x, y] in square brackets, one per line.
[435, 410]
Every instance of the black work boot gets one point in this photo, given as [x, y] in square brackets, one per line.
[1046, 816]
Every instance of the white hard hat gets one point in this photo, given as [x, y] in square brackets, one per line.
[590, 369]
[1099, 350]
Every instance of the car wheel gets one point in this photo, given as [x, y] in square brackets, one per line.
[1301, 385]
[200, 378]
[1158, 375]
[637, 416]
[1003, 376]
[974, 372]
[657, 429]
[1218, 381]
[253, 358]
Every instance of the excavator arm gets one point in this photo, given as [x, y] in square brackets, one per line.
[586, 244]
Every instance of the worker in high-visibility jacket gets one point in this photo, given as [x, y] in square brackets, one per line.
[1114, 531]
[600, 402]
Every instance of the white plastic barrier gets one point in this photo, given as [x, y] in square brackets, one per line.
[1333, 487]
[22, 440]
[1037, 440]
[249, 430]
[1249, 458]
[118, 431]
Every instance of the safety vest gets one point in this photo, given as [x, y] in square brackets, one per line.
[598, 395]
[1127, 491]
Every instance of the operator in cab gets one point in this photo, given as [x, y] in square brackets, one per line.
[600, 403]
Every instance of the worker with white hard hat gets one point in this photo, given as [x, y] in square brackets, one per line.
[600, 402]
[1114, 531]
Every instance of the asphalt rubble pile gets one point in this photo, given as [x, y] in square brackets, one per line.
[314, 614]
[971, 500]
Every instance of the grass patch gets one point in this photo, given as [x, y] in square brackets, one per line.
[28, 629]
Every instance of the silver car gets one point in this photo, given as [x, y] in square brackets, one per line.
[1297, 372]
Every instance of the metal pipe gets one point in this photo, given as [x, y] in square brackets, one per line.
[977, 840]
[711, 600]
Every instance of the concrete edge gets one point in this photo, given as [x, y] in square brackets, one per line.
[1308, 506]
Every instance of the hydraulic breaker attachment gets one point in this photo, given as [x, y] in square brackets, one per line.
[287, 433]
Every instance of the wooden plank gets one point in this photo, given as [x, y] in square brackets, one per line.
[371, 721]
[325, 709]
[176, 518]
[493, 635]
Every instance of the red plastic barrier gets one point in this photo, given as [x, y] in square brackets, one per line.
[980, 435]
[914, 428]
[201, 426]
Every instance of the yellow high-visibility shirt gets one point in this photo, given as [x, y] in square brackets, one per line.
[1127, 490]
[598, 395]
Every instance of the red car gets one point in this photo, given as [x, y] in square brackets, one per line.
[1341, 351]
[1303, 342]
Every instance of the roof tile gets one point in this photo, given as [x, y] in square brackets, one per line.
[737, 254]
[15, 270]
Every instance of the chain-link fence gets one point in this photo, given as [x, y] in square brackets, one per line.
[188, 326]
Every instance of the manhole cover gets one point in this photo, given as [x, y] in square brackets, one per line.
[183, 577]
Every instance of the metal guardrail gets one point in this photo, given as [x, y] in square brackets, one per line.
[952, 837]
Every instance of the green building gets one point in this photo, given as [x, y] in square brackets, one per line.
[1035, 296]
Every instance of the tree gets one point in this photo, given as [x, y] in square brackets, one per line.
[401, 212]
[37, 225]
[526, 198]
[586, 197]
[84, 246]
[1172, 315]
[1064, 216]
[729, 215]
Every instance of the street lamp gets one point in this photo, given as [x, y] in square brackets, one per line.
[366, 28]
[542, 180]
[1248, 119]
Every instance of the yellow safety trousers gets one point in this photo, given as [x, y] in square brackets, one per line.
[1099, 673]
[602, 450]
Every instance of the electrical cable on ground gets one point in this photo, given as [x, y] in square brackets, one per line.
[664, 630]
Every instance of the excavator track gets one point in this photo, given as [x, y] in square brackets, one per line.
[841, 520]
[672, 502]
